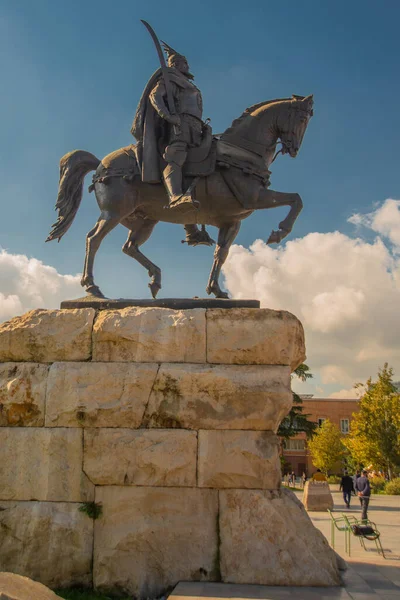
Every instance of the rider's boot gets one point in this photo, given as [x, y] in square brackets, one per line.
[172, 176]
[196, 237]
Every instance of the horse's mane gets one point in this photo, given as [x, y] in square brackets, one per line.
[251, 109]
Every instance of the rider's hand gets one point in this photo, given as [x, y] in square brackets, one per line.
[174, 120]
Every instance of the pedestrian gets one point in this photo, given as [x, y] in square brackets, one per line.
[355, 477]
[319, 476]
[294, 479]
[364, 493]
[346, 486]
[303, 479]
[289, 479]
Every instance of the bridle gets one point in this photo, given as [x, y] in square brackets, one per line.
[293, 116]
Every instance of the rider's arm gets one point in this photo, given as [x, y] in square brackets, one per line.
[157, 98]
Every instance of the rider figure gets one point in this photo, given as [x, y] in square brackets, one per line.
[184, 128]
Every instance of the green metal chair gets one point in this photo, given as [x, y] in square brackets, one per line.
[340, 524]
[357, 526]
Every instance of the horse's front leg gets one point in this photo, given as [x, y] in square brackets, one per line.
[226, 236]
[272, 199]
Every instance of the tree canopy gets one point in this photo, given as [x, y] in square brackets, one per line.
[326, 446]
[296, 421]
[374, 436]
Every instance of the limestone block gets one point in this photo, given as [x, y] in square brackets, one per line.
[239, 459]
[47, 336]
[98, 394]
[148, 539]
[43, 464]
[16, 587]
[254, 336]
[267, 538]
[219, 397]
[50, 542]
[317, 496]
[150, 335]
[142, 457]
[22, 394]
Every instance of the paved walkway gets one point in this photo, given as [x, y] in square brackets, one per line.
[369, 576]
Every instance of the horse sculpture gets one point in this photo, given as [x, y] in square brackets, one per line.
[228, 195]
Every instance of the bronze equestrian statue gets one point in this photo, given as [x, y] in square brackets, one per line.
[208, 180]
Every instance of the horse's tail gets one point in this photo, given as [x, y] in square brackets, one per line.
[73, 168]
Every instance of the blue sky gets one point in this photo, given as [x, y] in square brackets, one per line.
[72, 74]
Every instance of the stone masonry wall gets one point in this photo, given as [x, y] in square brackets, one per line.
[168, 419]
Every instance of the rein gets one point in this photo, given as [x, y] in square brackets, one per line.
[277, 152]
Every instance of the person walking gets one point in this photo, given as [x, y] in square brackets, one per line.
[355, 477]
[294, 478]
[364, 493]
[346, 486]
[303, 479]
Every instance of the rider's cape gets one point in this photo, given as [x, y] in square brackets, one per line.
[149, 128]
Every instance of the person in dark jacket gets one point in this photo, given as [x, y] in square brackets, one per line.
[346, 486]
[355, 477]
[364, 493]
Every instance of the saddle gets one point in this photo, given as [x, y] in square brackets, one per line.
[201, 161]
[215, 152]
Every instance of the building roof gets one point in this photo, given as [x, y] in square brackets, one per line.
[312, 398]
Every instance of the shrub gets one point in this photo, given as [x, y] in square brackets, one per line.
[92, 509]
[334, 479]
[377, 484]
[393, 487]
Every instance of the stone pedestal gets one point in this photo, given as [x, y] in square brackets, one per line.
[167, 419]
[16, 587]
[317, 496]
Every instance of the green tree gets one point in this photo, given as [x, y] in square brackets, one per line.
[374, 436]
[296, 421]
[326, 447]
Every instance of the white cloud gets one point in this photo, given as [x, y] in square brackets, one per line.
[334, 374]
[344, 393]
[27, 283]
[385, 220]
[346, 292]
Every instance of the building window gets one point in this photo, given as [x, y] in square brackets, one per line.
[295, 444]
[344, 425]
[320, 421]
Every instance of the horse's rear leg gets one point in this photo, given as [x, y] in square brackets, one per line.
[140, 231]
[104, 225]
[226, 237]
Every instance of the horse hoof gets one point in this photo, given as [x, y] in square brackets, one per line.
[217, 293]
[274, 238]
[154, 288]
[94, 290]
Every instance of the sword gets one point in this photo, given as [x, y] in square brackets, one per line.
[165, 73]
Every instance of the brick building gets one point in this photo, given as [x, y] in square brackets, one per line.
[338, 411]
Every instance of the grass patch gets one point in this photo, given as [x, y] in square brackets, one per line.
[293, 489]
[81, 594]
[91, 509]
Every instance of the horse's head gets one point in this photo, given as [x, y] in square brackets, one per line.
[292, 123]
